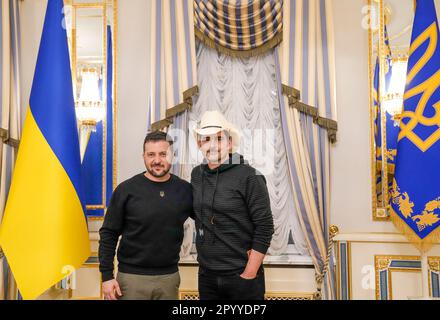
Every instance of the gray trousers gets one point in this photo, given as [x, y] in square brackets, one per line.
[140, 287]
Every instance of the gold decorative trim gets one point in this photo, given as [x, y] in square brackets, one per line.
[94, 218]
[381, 49]
[6, 139]
[172, 112]
[273, 295]
[281, 296]
[304, 108]
[159, 125]
[293, 96]
[189, 295]
[188, 94]
[272, 43]
[291, 92]
[424, 244]
[95, 207]
[434, 264]
[375, 215]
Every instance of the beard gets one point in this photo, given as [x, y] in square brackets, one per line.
[216, 157]
[160, 174]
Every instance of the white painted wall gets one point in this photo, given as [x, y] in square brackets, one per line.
[351, 206]
[133, 78]
[31, 18]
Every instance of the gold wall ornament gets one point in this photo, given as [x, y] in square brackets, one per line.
[382, 263]
[334, 230]
[434, 264]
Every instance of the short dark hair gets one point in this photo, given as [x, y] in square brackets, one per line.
[156, 136]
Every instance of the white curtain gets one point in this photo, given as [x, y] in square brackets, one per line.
[245, 91]
[9, 119]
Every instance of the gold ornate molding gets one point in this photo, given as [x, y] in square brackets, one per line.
[277, 296]
[383, 263]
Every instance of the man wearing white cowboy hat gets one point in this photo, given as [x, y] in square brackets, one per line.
[234, 222]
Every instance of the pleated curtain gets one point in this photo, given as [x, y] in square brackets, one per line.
[9, 118]
[306, 62]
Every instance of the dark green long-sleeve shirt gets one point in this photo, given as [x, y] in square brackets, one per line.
[232, 214]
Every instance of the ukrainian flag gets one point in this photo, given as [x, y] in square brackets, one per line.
[415, 199]
[44, 232]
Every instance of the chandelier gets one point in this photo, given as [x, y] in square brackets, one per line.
[89, 107]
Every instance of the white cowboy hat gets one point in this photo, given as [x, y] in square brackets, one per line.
[213, 122]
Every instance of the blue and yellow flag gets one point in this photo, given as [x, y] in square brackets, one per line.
[415, 198]
[44, 232]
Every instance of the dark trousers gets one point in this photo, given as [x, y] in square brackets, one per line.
[215, 286]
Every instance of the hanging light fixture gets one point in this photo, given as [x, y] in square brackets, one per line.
[89, 107]
[393, 101]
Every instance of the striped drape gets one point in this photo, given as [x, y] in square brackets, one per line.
[173, 66]
[306, 62]
[9, 119]
[240, 28]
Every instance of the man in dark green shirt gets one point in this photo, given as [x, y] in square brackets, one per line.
[233, 217]
[148, 211]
